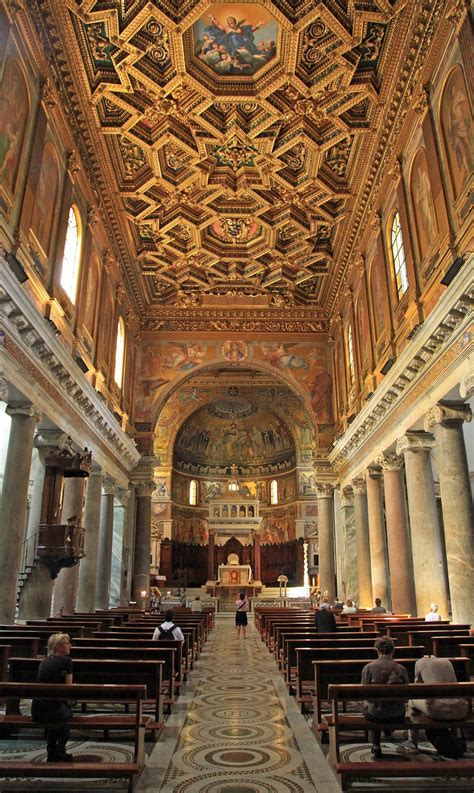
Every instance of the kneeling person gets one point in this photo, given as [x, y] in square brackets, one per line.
[56, 668]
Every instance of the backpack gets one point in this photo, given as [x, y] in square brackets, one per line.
[447, 743]
[166, 633]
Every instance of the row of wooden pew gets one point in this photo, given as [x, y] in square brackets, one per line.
[115, 660]
[324, 670]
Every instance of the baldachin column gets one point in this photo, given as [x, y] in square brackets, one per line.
[364, 575]
[427, 550]
[104, 553]
[402, 585]
[378, 555]
[88, 566]
[327, 565]
[65, 587]
[141, 568]
[14, 500]
[447, 420]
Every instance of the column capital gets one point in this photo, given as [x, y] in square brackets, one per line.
[390, 461]
[4, 390]
[448, 412]
[466, 386]
[324, 489]
[415, 441]
[347, 497]
[359, 486]
[109, 487]
[373, 472]
[123, 496]
[23, 409]
[145, 488]
[56, 439]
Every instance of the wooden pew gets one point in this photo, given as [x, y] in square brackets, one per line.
[25, 646]
[327, 673]
[312, 633]
[5, 650]
[446, 645]
[130, 694]
[292, 643]
[425, 637]
[190, 635]
[339, 722]
[140, 645]
[119, 672]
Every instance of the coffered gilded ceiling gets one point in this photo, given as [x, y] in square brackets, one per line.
[236, 141]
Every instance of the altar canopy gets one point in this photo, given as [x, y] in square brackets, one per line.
[234, 574]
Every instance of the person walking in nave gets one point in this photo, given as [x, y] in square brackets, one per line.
[242, 606]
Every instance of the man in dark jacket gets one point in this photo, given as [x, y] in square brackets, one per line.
[324, 620]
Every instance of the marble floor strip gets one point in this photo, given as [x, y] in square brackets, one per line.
[235, 730]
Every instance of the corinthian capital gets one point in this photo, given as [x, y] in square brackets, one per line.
[359, 486]
[390, 461]
[415, 441]
[109, 487]
[447, 413]
[24, 409]
[324, 489]
[145, 488]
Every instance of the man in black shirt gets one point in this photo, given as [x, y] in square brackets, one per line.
[56, 668]
[324, 619]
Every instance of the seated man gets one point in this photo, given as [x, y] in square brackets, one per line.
[55, 668]
[168, 630]
[433, 615]
[431, 669]
[383, 671]
[378, 608]
[324, 619]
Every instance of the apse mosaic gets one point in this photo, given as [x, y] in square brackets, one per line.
[235, 39]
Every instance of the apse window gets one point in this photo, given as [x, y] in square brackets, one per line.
[398, 254]
[119, 352]
[193, 492]
[350, 354]
[71, 257]
[274, 492]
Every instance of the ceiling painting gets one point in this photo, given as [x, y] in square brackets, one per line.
[236, 143]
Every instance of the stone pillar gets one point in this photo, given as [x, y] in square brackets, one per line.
[141, 568]
[426, 545]
[88, 566]
[257, 574]
[349, 584]
[402, 585]
[104, 554]
[37, 589]
[327, 566]
[378, 554]
[211, 576]
[14, 500]
[364, 576]
[65, 587]
[127, 548]
[447, 420]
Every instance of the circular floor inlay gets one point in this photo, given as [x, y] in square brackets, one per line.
[226, 757]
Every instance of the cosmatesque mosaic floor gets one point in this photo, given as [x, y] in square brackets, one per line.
[235, 730]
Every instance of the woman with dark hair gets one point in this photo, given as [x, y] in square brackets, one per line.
[242, 606]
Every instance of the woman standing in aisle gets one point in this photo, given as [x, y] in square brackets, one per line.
[242, 606]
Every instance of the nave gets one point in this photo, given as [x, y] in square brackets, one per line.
[235, 729]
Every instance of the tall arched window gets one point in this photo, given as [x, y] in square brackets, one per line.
[398, 255]
[274, 492]
[193, 492]
[72, 254]
[119, 352]
[350, 354]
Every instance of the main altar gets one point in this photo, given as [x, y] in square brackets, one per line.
[234, 514]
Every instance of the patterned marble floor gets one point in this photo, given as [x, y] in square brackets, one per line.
[235, 729]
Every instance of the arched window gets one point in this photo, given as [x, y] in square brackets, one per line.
[274, 492]
[72, 254]
[350, 354]
[119, 352]
[398, 255]
[193, 492]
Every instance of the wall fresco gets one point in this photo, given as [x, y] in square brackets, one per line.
[456, 122]
[423, 204]
[45, 199]
[14, 106]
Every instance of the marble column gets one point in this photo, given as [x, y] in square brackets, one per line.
[257, 575]
[88, 566]
[402, 585]
[127, 548]
[104, 551]
[364, 575]
[349, 584]
[327, 566]
[378, 551]
[426, 544]
[14, 502]
[37, 589]
[141, 567]
[447, 420]
[211, 576]
[65, 587]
